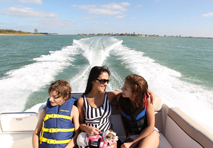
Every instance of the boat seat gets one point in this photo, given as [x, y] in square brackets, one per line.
[177, 129]
[17, 129]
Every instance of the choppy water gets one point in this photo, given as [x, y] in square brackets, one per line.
[179, 70]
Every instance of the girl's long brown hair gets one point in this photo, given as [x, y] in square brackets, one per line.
[139, 87]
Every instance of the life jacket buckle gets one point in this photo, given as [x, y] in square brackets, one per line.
[55, 116]
[52, 130]
[51, 141]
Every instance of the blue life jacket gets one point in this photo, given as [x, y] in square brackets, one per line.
[57, 128]
[136, 124]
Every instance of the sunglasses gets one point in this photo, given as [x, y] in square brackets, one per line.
[102, 81]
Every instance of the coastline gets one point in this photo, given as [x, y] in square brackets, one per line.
[19, 34]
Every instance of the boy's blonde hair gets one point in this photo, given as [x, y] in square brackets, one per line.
[62, 87]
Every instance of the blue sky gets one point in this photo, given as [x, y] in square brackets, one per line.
[160, 17]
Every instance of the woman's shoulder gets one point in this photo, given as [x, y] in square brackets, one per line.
[80, 101]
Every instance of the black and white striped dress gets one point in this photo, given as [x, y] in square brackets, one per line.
[98, 117]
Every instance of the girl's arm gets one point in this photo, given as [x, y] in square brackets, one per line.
[150, 122]
[75, 120]
[36, 134]
[91, 131]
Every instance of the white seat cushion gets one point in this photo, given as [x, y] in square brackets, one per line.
[163, 142]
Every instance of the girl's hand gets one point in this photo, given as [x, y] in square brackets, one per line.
[151, 95]
[126, 145]
[91, 131]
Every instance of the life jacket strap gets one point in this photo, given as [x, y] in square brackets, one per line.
[51, 141]
[48, 116]
[55, 130]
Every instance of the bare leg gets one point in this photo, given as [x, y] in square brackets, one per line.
[151, 141]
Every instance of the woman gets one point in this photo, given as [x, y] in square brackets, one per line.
[137, 113]
[94, 106]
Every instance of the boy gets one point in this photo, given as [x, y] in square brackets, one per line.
[59, 120]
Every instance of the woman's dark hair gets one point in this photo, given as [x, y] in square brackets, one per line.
[94, 74]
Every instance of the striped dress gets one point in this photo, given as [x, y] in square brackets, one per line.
[98, 117]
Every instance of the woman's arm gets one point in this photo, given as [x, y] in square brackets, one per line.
[150, 124]
[153, 96]
[36, 134]
[113, 96]
[75, 120]
[88, 129]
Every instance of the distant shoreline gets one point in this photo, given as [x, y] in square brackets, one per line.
[18, 34]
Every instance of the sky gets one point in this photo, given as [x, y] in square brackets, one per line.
[159, 17]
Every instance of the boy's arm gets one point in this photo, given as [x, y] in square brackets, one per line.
[36, 134]
[75, 120]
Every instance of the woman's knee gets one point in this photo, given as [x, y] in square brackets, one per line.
[150, 141]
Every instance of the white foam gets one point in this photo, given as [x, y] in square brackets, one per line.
[96, 49]
[193, 99]
[20, 83]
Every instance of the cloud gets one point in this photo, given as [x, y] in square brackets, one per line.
[115, 6]
[138, 6]
[208, 14]
[107, 9]
[100, 24]
[20, 11]
[53, 22]
[24, 1]
[120, 16]
[31, 1]
[90, 17]
[103, 11]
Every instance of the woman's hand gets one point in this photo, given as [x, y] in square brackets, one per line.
[126, 145]
[91, 131]
[151, 95]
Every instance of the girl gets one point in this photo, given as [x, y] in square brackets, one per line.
[137, 113]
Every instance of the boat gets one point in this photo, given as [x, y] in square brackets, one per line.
[176, 128]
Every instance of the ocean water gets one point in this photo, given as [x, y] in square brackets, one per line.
[179, 70]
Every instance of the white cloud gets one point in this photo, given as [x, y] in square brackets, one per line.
[115, 6]
[208, 14]
[107, 9]
[103, 11]
[24, 1]
[138, 6]
[90, 17]
[31, 1]
[21, 11]
[100, 24]
[120, 16]
[84, 7]
[53, 22]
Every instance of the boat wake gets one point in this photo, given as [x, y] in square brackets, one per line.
[19, 84]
